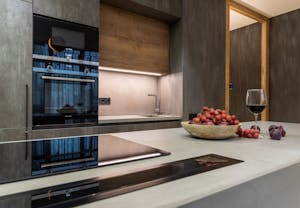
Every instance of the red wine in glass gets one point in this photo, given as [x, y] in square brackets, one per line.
[256, 101]
[256, 109]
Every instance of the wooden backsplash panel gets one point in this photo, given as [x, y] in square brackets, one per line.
[132, 41]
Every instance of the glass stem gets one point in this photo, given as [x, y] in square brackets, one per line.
[255, 119]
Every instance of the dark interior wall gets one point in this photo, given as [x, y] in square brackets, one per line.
[203, 54]
[245, 65]
[285, 67]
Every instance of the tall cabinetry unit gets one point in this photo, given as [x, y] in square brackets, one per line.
[15, 86]
[15, 68]
[77, 11]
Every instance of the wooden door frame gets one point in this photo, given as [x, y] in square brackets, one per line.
[232, 5]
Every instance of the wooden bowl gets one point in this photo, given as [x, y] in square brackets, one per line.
[210, 131]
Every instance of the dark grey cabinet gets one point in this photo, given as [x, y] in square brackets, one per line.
[171, 7]
[15, 160]
[165, 10]
[15, 68]
[23, 200]
[80, 11]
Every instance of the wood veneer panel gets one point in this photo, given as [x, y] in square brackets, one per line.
[132, 41]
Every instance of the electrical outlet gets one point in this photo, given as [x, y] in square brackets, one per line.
[104, 101]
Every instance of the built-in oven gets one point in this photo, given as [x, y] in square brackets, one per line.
[64, 154]
[65, 72]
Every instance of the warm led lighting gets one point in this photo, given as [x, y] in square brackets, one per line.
[128, 159]
[104, 68]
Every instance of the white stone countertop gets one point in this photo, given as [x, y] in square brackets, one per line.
[261, 157]
[136, 118]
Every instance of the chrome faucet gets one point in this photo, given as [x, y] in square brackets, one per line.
[157, 103]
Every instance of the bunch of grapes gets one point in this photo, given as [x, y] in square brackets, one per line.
[253, 132]
[211, 116]
[276, 132]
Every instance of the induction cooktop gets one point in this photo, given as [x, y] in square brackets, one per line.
[91, 190]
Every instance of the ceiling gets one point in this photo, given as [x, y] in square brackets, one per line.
[238, 20]
[269, 8]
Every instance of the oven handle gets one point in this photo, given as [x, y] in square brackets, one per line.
[67, 79]
[66, 162]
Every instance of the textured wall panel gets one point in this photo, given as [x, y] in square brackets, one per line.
[204, 54]
[245, 65]
[15, 64]
[285, 67]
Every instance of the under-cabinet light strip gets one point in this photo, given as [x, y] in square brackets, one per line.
[104, 68]
[116, 161]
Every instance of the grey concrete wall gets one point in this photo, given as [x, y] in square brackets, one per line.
[284, 67]
[245, 67]
[203, 54]
[171, 86]
[80, 11]
[15, 65]
[276, 190]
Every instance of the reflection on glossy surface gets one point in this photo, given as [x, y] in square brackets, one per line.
[50, 156]
[24, 160]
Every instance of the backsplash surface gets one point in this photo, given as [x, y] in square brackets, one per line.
[128, 93]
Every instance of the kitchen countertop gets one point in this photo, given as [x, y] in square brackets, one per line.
[261, 157]
[136, 118]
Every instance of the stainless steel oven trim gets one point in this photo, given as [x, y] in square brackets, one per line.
[68, 79]
[47, 165]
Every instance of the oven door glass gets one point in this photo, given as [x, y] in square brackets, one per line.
[65, 73]
[64, 99]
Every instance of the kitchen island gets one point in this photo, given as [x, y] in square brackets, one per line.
[266, 178]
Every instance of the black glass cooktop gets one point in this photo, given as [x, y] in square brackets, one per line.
[86, 191]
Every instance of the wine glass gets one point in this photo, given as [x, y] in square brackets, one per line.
[256, 101]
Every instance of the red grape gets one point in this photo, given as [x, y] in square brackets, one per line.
[223, 116]
[205, 108]
[196, 120]
[208, 115]
[228, 118]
